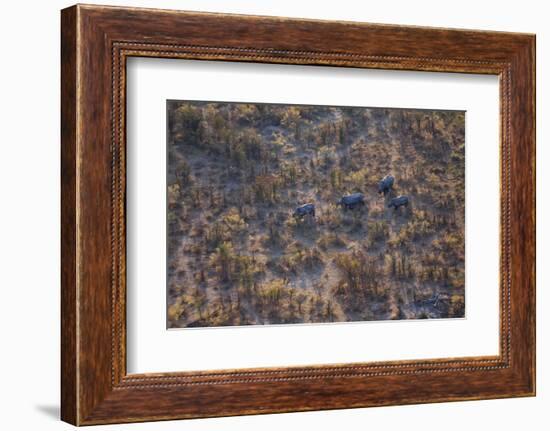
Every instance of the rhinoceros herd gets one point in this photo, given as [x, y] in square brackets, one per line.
[355, 200]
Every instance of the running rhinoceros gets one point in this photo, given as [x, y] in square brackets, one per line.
[385, 185]
[303, 210]
[351, 201]
[398, 202]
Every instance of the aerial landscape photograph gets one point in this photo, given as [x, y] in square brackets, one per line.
[300, 214]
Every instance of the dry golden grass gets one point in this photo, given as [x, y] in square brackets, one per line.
[236, 254]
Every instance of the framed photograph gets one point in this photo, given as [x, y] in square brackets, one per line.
[265, 215]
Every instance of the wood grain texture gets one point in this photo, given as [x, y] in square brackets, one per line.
[69, 397]
[96, 41]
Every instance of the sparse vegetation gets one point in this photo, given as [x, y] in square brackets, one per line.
[239, 255]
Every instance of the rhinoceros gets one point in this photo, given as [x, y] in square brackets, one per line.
[399, 201]
[303, 210]
[352, 201]
[385, 185]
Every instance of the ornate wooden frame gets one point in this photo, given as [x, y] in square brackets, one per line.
[95, 42]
